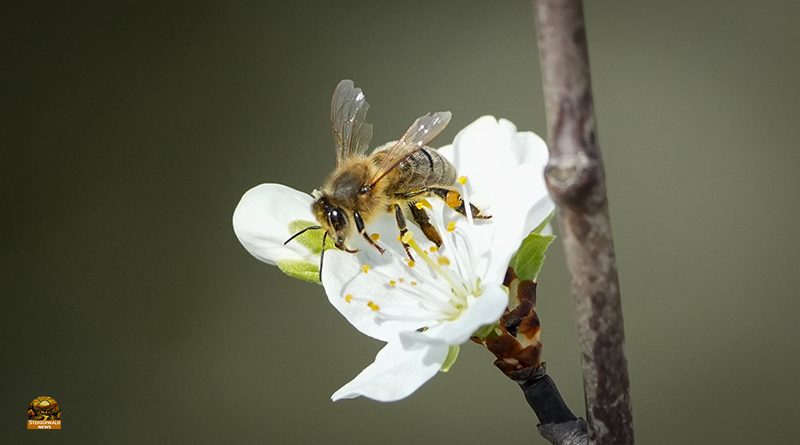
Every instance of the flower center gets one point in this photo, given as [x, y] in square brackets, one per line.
[437, 292]
[460, 287]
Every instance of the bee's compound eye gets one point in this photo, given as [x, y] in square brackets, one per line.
[337, 219]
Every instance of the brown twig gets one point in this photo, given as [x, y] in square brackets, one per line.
[515, 341]
[576, 180]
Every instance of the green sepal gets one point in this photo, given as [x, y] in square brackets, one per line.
[485, 331]
[452, 356]
[527, 262]
[312, 239]
[302, 270]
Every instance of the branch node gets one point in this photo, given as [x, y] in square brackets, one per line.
[576, 181]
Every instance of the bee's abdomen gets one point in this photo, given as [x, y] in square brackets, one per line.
[424, 168]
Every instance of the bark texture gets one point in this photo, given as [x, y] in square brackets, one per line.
[576, 180]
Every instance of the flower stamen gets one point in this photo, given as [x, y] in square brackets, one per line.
[465, 199]
[408, 238]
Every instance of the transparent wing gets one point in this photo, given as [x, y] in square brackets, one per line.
[420, 134]
[351, 132]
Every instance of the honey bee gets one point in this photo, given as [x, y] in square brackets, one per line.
[392, 178]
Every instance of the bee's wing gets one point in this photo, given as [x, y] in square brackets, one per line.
[351, 132]
[421, 132]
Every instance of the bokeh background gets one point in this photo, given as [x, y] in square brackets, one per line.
[130, 130]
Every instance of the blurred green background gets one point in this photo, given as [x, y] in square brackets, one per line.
[130, 130]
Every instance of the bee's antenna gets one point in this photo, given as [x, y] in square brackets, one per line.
[302, 232]
[322, 254]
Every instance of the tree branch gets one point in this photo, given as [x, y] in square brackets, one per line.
[576, 180]
[557, 423]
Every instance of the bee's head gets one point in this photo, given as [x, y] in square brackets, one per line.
[333, 219]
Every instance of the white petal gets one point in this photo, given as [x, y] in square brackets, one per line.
[399, 369]
[505, 171]
[261, 222]
[350, 290]
[480, 311]
[529, 148]
[484, 146]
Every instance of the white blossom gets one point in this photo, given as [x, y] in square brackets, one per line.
[423, 309]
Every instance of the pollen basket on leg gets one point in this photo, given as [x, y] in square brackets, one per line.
[453, 199]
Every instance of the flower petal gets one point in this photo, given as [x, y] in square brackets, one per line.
[261, 222]
[483, 148]
[363, 298]
[505, 171]
[399, 369]
[480, 311]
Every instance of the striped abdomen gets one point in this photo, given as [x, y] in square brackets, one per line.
[425, 168]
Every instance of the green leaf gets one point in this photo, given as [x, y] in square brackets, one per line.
[452, 356]
[528, 260]
[544, 223]
[312, 239]
[302, 270]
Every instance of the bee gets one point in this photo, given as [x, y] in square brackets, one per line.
[393, 178]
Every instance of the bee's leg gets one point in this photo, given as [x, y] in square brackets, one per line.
[363, 231]
[421, 218]
[401, 224]
[453, 199]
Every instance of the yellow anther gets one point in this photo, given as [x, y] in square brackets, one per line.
[451, 226]
[365, 268]
[462, 180]
[348, 298]
[423, 203]
[401, 279]
[375, 236]
[411, 263]
[373, 306]
[408, 236]
[443, 260]
[392, 283]
[433, 248]
[413, 283]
